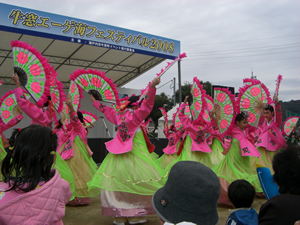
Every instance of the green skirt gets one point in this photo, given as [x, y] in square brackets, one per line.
[64, 171]
[216, 155]
[2, 156]
[83, 168]
[134, 172]
[166, 159]
[234, 166]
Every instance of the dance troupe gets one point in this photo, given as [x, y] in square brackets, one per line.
[131, 172]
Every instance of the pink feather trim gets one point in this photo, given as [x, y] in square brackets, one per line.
[44, 98]
[101, 74]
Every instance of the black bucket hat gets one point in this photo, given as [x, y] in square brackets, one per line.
[190, 194]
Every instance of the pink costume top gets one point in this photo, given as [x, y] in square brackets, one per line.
[67, 136]
[128, 122]
[44, 205]
[245, 139]
[195, 131]
[214, 133]
[270, 136]
[173, 139]
[38, 116]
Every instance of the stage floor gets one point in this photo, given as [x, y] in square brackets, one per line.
[91, 214]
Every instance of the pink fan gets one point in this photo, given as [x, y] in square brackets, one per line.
[198, 103]
[209, 106]
[33, 71]
[253, 98]
[145, 91]
[224, 110]
[9, 107]
[97, 84]
[176, 120]
[290, 124]
[89, 117]
[56, 91]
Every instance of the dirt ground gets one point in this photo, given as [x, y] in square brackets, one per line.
[91, 214]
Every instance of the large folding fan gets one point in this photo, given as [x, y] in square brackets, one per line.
[198, 103]
[289, 125]
[97, 84]
[176, 121]
[224, 110]
[89, 117]
[32, 69]
[209, 106]
[57, 93]
[8, 106]
[253, 98]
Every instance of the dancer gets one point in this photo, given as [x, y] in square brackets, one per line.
[32, 193]
[270, 138]
[174, 140]
[43, 116]
[236, 163]
[129, 175]
[74, 149]
[195, 147]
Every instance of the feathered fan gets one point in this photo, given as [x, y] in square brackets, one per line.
[97, 84]
[9, 106]
[33, 71]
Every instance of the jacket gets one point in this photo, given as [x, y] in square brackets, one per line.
[44, 205]
[128, 122]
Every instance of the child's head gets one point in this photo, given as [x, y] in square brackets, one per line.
[241, 193]
[241, 120]
[268, 112]
[30, 157]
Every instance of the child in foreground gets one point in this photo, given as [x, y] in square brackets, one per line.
[241, 194]
[31, 192]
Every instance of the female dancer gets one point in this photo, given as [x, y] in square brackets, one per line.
[129, 175]
[270, 138]
[74, 149]
[170, 151]
[236, 163]
[195, 146]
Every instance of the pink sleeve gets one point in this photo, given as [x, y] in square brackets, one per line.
[214, 124]
[147, 104]
[109, 112]
[278, 115]
[76, 124]
[11, 123]
[186, 122]
[30, 109]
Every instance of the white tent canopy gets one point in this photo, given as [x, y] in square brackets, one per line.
[161, 121]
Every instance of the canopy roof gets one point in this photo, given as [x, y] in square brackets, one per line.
[70, 43]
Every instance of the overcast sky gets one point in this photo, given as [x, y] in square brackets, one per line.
[223, 39]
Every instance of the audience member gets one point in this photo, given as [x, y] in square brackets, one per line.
[190, 194]
[241, 194]
[284, 208]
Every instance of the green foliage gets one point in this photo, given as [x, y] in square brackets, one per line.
[161, 100]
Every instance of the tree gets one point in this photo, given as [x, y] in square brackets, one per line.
[186, 89]
[163, 101]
